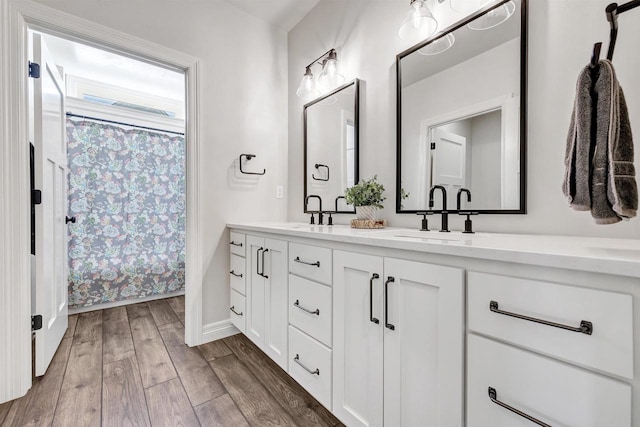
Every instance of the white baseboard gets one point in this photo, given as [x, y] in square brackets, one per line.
[218, 330]
[123, 302]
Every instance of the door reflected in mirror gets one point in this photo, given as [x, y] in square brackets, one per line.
[461, 117]
[331, 148]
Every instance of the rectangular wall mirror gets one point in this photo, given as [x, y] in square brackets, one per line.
[331, 148]
[461, 115]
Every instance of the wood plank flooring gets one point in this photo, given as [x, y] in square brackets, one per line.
[130, 366]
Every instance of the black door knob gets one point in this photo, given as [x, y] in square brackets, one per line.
[67, 220]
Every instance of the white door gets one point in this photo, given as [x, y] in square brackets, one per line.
[449, 165]
[423, 345]
[255, 327]
[51, 231]
[358, 322]
[276, 310]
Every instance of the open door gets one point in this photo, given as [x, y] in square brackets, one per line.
[449, 164]
[50, 293]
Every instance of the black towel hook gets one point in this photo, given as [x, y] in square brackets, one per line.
[318, 166]
[249, 157]
[612, 11]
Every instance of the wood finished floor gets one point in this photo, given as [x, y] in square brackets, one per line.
[129, 366]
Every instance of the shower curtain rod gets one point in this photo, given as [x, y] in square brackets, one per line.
[123, 124]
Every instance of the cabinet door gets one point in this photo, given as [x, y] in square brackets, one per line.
[255, 306]
[423, 344]
[357, 345]
[276, 311]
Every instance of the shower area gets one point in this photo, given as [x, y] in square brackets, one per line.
[127, 195]
[126, 203]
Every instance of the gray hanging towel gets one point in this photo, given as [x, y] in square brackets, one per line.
[614, 190]
[576, 184]
[603, 179]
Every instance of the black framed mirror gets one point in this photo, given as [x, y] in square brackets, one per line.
[331, 148]
[462, 113]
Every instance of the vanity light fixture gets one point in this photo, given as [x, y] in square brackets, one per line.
[490, 19]
[329, 77]
[419, 23]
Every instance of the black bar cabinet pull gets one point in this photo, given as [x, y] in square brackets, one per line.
[493, 395]
[374, 276]
[258, 261]
[316, 311]
[297, 360]
[390, 279]
[232, 308]
[235, 244]
[584, 328]
[235, 274]
[297, 259]
[68, 220]
[262, 272]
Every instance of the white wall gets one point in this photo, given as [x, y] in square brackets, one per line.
[243, 110]
[561, 36]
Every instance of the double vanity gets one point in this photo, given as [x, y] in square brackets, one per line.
[403, 328]
[400, 327]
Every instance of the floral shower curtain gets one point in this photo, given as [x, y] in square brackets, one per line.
[127, 192]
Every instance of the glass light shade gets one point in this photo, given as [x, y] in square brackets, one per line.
[438, 46]
[419, 23]
[307, 87]
[329, 77]
[493, 18]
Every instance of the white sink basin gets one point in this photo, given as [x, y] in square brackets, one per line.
[435, 235]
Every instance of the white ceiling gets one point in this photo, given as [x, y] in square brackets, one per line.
[284, 14]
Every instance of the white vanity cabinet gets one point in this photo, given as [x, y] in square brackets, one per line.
[399, 328]
[398, 342]
[266, 308]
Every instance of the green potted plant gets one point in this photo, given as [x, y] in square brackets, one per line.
[367, 197]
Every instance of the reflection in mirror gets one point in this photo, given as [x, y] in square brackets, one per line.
[331, 148]
[461, 113]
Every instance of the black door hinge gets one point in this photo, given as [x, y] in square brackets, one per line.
[433, 145]
[34, 70]
[36, 197]
[36, 322]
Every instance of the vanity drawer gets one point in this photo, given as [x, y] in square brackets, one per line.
[237, 243]
[237, 310]
[237, 273]
[609, 348]
[310, 365]
[310, 308]
[550, 391]
[311, 262]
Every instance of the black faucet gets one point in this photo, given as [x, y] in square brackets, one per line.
[306, 203]
[445, 214]
[460, 191]
[468, 226]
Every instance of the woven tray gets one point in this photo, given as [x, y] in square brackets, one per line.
[368, 223]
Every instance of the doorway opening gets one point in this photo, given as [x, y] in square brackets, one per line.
[110, 161]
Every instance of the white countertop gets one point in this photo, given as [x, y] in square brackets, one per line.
[600, 255]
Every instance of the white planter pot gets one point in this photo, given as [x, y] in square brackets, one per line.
[367, 212]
